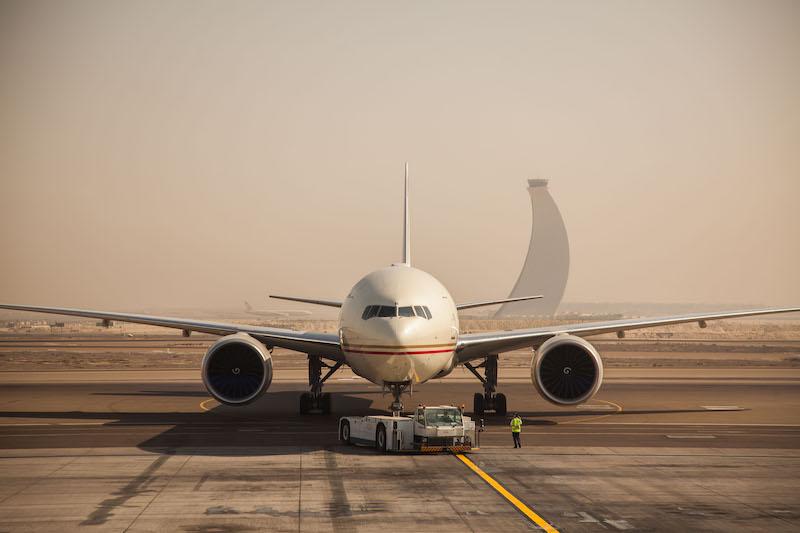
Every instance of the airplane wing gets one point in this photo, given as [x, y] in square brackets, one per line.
[322, 344]
[329, 303]
[471, 305]
[477, 345]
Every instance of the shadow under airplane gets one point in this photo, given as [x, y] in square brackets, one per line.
[269, 425]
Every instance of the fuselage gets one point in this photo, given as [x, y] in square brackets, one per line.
[399, 325]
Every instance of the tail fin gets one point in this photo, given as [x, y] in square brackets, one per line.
[247, 306]
[406, 224]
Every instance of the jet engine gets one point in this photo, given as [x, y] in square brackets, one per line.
[237, 369]
[567, 370]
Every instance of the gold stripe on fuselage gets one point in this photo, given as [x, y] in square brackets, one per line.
[396, 347]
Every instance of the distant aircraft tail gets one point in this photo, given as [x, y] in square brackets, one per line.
[247, 306]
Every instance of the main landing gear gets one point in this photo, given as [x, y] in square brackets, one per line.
[316, 401]
[489, 400]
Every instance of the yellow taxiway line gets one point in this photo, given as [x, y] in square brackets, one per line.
[513, 500]
[204, 402]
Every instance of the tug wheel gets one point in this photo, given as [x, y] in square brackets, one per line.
[380, 438]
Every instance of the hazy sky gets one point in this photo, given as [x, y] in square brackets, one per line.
[202, 153]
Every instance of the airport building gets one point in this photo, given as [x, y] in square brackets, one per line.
[546, 267]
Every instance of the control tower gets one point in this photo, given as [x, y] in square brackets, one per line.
[546, 266]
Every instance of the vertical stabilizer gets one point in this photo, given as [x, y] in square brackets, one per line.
[406, 223]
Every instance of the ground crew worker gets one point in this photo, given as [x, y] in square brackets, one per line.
[516, 429]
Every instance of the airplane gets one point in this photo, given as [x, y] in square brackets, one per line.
[273, 313]
[399, 327]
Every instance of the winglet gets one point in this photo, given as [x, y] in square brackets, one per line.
[406, 224]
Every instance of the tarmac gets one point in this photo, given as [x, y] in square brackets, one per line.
[148, 450]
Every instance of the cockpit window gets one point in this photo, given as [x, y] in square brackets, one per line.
[389, 311]
[385, 311]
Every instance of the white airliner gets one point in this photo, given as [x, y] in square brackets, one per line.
[398, 326]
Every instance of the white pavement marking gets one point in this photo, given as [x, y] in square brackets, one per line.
[619, 524]
[55, 424]
[595, 407]
[592, 418]
[690, 436]
[110, 432]
[688, 424]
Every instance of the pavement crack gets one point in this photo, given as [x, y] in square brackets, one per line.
[339, 508]
[38, 480]
[300, 494]
[443, 494]
[135, 487]
[159, 491]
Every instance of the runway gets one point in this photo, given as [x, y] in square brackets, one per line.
[655, 451]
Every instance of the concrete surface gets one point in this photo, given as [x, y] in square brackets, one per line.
[657, 450]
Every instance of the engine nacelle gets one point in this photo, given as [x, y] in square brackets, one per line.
[237, 369]
[567, 370]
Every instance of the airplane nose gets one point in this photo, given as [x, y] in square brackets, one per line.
[393, 350]
[395, 332]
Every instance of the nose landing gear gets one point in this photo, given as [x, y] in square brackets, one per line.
[397, 390]
[316, 401]
[489, 400]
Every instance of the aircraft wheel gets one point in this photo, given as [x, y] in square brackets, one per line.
[380, 438]
[500, 406]
[477, 404]
[325, 403]
[305, 403]
[344, 432]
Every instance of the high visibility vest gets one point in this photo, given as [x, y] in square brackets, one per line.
[516, 425]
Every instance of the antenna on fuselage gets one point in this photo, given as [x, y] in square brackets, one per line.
[406, 224]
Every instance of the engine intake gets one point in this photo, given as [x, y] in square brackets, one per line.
[237, 369]
[567, 370]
